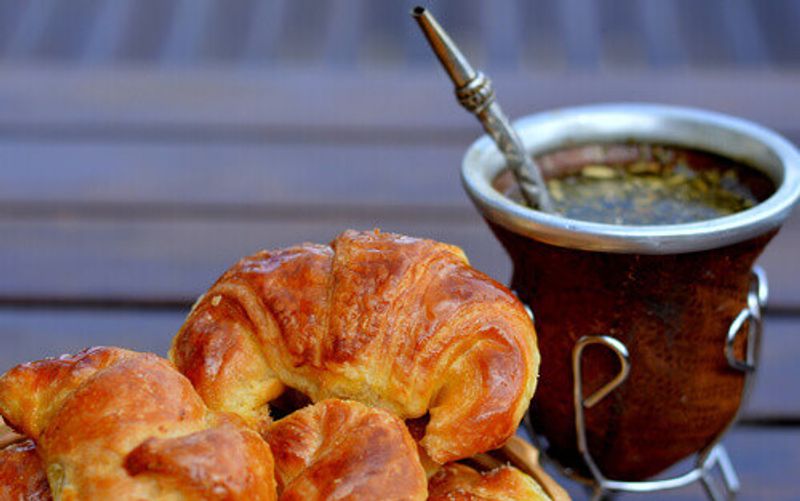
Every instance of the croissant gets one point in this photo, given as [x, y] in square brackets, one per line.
[22, 473]
[391, 321]
[114, 424]
[458, 482]
[339, 449]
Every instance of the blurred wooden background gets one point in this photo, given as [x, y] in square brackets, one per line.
[145, 145]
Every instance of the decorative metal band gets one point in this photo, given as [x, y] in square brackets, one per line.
[477, 95]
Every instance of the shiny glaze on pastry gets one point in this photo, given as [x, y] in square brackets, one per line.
[458, 482]
[115, 424]
[22, 475]
[338, 449]
[391, 321]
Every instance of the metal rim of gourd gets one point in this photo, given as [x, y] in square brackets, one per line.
[725, 135]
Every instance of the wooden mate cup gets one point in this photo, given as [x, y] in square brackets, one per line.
[664, 297]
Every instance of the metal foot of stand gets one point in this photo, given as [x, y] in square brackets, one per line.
[714, 457]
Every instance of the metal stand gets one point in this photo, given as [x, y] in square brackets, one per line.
[712, 456]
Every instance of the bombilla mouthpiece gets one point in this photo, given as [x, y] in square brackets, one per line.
[453, 61]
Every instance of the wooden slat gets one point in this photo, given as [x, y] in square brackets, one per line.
[178, 258]
[303, 31]
[140, 175]
[139, 257]
[622, 34]
[29, 334]
[227, 30]
[344, 32]
[30, 28]
[212, 105]
[385, 41]
[780, 262]
[260, 46]
[10, 17]
[67, 31]
[702, 31]
[109, 28]
[779, 19]
[579, 25]
[542, 44]
[186, 36]
[743, 32]
[774, 393]
[660, 21]
[679, 31]
[764, 459]
[146, 30]
[502, 29]
[34, 334]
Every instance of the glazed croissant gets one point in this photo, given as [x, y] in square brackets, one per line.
[114, 424]
[391, 321]
[340, 449]
[458, 482]
[22, 473]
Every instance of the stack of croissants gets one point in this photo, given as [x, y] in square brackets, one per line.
[377, 367]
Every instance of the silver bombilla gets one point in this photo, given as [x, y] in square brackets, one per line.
[475, 93]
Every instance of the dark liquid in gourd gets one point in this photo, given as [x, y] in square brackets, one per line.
[646, 184]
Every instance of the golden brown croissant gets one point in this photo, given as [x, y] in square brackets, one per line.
[115, 424]
[458, 482]
[340, 449]
[22, 475]
[392, 321]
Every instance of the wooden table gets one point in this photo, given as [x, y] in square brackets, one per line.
[124, 193]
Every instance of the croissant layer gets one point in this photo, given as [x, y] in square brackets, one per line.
[339, 449]
[115, 424]
[388, 320]
[458, 482]
[22, 474]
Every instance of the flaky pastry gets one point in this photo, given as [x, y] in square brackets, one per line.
[391, 321]
[338, 449]
[115, 424]
[458, 482]
[22, 475]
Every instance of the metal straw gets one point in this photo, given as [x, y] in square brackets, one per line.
[475, 93]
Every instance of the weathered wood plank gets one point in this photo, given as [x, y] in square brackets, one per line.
[774, 394]
[32, 333]
[780, 261]
[216, 105]
[246, 175]
[179, 258]
[579, 25]
[744, 34]
[125, 255]
[126, 249]
[622, 34]
[702, 32]
[764, 459]
[542, 46]
[778, 19]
